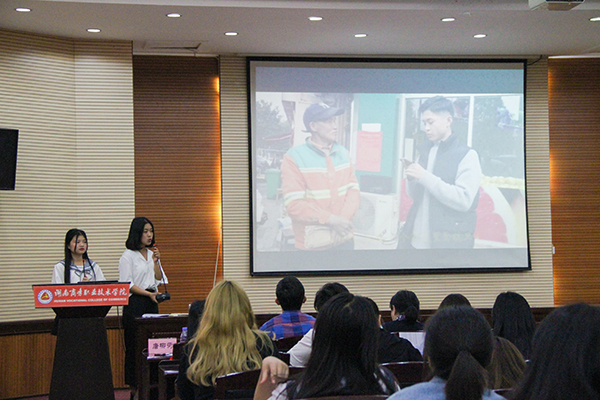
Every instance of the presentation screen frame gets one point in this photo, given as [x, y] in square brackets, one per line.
[379, 126]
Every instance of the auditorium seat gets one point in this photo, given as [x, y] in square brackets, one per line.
[237, 385]
[407, 373]
[506, 393]
[167, 373]
[241, 385]
[287, 343]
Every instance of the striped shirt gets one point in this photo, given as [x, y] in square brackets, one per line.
[316, 185]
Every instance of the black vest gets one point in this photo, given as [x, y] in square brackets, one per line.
[448, 228]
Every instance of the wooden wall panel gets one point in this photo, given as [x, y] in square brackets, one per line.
[178, 168]
[574, 106]
[27, 359]
[26, 366]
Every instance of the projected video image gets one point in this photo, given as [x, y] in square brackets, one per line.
[389, 180]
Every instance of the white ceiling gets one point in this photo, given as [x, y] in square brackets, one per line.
[394, 27]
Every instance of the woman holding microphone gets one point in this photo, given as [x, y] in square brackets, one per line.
[139, 265]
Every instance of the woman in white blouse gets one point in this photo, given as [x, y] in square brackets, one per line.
[140, 266]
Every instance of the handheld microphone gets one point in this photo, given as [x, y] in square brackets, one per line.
[166, 295]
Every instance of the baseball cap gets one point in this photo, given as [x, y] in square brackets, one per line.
[320, 112]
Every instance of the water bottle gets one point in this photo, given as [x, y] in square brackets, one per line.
[183, 336]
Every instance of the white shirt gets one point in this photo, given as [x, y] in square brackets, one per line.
[300, 353]
[134, 268]
[93, 272]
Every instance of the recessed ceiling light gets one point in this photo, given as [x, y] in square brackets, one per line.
[315, 18]
[595, 19]
[23, 9]
[448, 19]
[173, 15]
[93, 30]
[231, 33]
[360, 35]
[480, 36]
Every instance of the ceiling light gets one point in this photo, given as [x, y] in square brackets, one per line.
[359, 35]
[315, 18]
[480, 36]
[231, 33]
[595, 19]
[448, 19]
[23, 9]
[173, 15]
[93, 30]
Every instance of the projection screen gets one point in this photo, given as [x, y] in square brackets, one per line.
[387, 166]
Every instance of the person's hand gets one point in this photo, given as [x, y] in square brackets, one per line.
[85, 278]
[273, 371]
[414, 171]
[340, 224]
[153, 296]
[155, 253]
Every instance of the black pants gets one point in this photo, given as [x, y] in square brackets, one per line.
[138, 305]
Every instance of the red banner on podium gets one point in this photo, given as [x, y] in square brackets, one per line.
[81, 295]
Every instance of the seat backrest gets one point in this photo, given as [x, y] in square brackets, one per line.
[287, 343]
[237, 385]
[285, 357]
[358, 397]
[407, 373]
[506, 393]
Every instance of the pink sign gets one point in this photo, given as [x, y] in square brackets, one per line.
[81, 295]
[161, 346]
[368, 151]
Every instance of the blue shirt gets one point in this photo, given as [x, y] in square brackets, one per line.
[288, 324]
[434, 390]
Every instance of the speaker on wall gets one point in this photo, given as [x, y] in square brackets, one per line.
[8, 158]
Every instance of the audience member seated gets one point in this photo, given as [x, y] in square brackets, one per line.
[194, 317]
[343, 361]
[404, 307]
[454, 299]
[458, 346]
[565, 357]
[507, 365]
[512, 319]
[291, 322]
[300, 353]
[391, 347]
[227, 341]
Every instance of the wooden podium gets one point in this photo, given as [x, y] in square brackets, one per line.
[82, 369]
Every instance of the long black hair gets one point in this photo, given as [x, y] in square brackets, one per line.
[73, 233]
[565, 359]
[512, 319]
[458, 344]
[134, 239]
[343, 359]
[454, 299]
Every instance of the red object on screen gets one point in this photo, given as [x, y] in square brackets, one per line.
[368, 151]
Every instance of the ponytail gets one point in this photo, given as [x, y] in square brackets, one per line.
[467, 380]
[411, 314]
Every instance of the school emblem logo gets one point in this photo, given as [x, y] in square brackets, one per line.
[45, 296]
